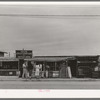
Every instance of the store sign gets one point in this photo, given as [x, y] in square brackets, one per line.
[24, 54]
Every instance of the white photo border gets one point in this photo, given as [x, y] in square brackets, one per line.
[51, 93]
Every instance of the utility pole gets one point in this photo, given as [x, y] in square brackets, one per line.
[9, 54]
[23, 51]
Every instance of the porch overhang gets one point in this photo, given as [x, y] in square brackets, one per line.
[50, 59]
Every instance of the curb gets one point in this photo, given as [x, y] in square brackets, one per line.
[41, 80]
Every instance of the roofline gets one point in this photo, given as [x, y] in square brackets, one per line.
[52, 56]
[3, 52]
[8, 59]
[66, 56]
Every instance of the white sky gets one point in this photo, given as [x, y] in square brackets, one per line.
[51, 35]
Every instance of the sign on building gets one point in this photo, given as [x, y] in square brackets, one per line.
[24, 54]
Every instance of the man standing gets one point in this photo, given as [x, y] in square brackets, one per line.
[46, 72]
[37, 71]
[24, 70]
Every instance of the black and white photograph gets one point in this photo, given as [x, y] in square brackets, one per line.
[49, 46]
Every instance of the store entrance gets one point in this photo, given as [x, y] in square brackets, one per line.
[73, 66]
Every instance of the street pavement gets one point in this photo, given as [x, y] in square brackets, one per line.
[49, 84]
[55, 83]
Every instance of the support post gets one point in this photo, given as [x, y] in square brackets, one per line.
[55, 65]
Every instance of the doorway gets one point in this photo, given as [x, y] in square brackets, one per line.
[73, 66]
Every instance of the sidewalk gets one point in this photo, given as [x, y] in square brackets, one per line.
[15, 78]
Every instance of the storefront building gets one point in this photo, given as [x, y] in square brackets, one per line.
[53, 64]
[8, 66]
[86, 66]
[80, 66]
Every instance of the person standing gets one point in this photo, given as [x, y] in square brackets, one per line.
[24, 70]
[40, 65]
[37, 71]
[47, 71]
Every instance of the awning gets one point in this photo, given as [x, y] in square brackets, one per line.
[50, 59]
[8, 59]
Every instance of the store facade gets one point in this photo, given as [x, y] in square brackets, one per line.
[54, 65]
[80, 66]
[9, 66]
[87, 66]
